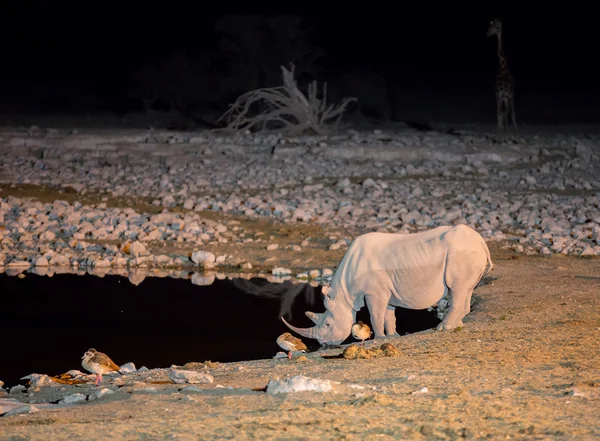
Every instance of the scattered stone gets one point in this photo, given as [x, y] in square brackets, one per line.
[298, 383]
[73, 399]
[326, 273]
[40, 262]
[100, 393]
[40, 380]
[423, 390]
[203, 258]
[182, 376]
[128, 368]
[21, 410]
[281, 271]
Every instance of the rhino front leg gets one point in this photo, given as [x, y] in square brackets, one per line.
[390, 321]
[377, 310]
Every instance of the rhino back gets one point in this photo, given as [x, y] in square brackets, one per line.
[409, 266]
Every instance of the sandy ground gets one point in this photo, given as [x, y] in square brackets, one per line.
[526, 365]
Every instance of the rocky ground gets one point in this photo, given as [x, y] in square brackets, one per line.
[148, 202]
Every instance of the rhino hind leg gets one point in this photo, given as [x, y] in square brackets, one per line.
[460, 304]
[390, 321]
[453, 319]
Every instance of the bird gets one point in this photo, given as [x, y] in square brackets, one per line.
[290, 343]
[98, 363]
[361, 331]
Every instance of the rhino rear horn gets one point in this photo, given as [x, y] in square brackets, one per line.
[304, 332]
[313, 316]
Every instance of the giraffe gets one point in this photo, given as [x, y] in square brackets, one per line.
[505, 83]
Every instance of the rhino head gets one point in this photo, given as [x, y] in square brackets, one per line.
[333, 326]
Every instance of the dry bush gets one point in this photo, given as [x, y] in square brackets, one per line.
[285, 108]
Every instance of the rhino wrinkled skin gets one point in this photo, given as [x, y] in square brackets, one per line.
[414, 271]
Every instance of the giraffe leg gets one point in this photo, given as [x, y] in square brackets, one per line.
[514, 116]
[499, 115]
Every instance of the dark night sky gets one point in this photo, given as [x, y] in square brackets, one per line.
[422, 46]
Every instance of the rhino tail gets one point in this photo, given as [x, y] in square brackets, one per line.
[490, 264]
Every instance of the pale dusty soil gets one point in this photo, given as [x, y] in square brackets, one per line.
[526, 365]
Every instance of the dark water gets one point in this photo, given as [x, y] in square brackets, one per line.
[47, 323]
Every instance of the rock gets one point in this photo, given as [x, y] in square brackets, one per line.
[100, 393]
[342, 183]
[40, 380]
[73, 399]
[203, 258]
[183, 376]
[326, 273]
[369, 183]
[47, 236]
[137, 249]
[281, 271]
[272, 247]
[298, 383]
[190, 389]
[17, 390]
[128, 368]
[18, 264]
[59, 260]
[589, 251]
[21, 410]
[40, 262]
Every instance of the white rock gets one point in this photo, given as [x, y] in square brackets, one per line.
[279, 271]
[21, 410]
[100, 393]
[342, 183]
[47, 236]
[203, 258]
[19, 264]
[73, 398]
[40, 262]
[326, 273]
[190, 388]
[184, 376]
[423, 390]
[128, 368]
[298, 383]
[588, 251]
[137, 249]
[369, 183]
[40, 380]
[272, 246]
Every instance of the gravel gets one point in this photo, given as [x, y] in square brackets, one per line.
[538, 194]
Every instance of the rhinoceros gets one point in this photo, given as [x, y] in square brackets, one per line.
[413, 271]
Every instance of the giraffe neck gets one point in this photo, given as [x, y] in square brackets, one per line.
[501, 59]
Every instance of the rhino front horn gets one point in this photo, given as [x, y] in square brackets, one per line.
[304, 332]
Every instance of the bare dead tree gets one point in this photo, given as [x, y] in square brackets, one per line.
[286, 108]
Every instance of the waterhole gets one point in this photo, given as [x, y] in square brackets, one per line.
[47, 323]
